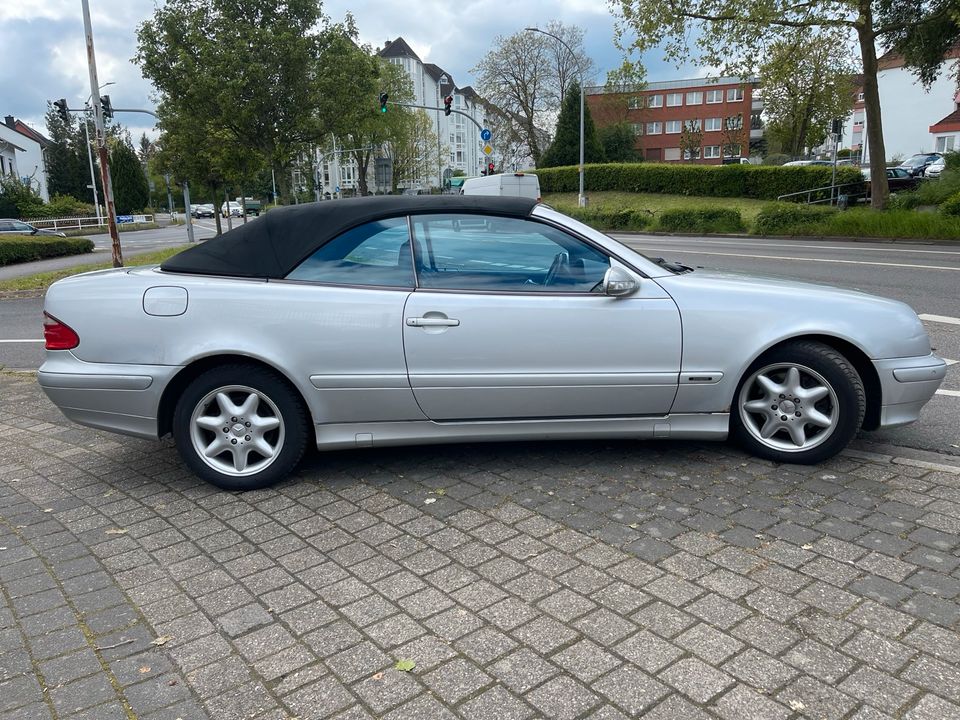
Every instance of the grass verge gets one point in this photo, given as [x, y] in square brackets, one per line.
[39, 282]
[652, 204]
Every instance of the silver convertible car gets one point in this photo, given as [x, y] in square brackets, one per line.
[400, 320]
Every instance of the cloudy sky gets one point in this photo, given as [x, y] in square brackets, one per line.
[42, 55]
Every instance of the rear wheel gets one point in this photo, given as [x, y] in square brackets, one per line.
[802, 402]
[240, 427]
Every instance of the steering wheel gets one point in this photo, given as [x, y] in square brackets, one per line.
[561, 262]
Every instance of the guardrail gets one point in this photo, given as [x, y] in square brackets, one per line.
[78, 223]
[828, 193]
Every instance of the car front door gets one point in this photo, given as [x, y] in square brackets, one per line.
[508, 321]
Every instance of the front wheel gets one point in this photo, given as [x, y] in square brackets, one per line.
[802, 402]
[240, 427]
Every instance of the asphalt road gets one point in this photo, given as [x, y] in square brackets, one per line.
[927, 277]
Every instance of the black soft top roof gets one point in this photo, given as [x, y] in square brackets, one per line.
[273, 245]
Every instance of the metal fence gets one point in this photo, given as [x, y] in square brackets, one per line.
[78, 223]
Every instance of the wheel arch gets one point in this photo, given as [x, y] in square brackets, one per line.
[857, 357]
[179, 382]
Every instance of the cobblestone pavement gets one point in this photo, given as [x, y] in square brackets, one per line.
[565, 580]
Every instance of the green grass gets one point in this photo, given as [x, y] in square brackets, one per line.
[865, 223]
[654, 204]
[39, 282]
[101, 229]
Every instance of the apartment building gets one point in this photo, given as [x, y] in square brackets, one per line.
[23, 154]
[725, 110]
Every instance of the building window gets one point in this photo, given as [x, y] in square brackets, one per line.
[695, 155]
[637, 128]
[674, 99]
[655, 101]
[695, 98]
[671, 153]
[711, 151]
[654, 128]
[634, 103]
[734, 94]
[945, 143]
[859, 97]
[732, 151]
[714, 96]
[693, 125]
[735, 122]
[673, 126]
[714, 124]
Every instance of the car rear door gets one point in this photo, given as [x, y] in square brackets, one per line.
[507, 323]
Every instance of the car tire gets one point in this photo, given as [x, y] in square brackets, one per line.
[240, 427]
[801, 402]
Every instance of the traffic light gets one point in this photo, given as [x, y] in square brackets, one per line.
[447, 105]
[836, 127]
[383, 102]
[61, 106]
[107, 107]
[490, 168]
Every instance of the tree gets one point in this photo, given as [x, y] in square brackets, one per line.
[619, 143]
[130, 190]
[691, 140]
[565, 148]
[733, 136]
[415, 151]
[737, 34]
[146, 149]
[68, 170]
[525, 75]
[805, 83]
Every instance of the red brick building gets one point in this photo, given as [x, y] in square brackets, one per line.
[724, 110]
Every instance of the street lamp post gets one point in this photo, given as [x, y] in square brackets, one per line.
[581, 198]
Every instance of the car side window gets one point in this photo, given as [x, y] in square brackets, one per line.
[6, 226]
[484, 253]
[375, 254]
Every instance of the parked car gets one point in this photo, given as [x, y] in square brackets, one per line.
[413, 191]
[934, 169]
[797, 163]
[389, 321]
[9, 226]
[233, 209]
[916, 164]
[898, 179]
[202, 211]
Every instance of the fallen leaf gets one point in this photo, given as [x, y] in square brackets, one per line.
[633, 526]
[117, 531]
[807, 546]
[405, 665]
[162, 640]
[48, 509]
[440, 491]
[377, 676]
[144, 669]
[429, 501]
[796, 705]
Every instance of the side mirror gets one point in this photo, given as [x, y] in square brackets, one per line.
[617, 282]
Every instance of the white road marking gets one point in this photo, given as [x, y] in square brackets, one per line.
[808, 259]
[31, 340]
[949, 393]
[946, 319]
[694, 241]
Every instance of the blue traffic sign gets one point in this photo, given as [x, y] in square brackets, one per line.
[485, 134]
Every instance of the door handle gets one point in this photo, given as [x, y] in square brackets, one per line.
[432, 322]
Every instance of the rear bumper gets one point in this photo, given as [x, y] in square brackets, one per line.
[907, 384]
[119, 398]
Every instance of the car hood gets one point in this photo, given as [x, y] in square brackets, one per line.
[780, 308]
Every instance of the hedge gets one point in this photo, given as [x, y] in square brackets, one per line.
[762, 182]
[701, 220]
[19, 248]
[625, 219]
[787, 218]
[951, 206]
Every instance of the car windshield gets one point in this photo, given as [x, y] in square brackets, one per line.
[914, 161]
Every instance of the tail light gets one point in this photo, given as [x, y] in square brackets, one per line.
[57, 335]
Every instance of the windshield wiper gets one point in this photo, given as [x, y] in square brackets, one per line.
[672, 265]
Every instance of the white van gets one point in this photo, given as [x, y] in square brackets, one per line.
[504, 185]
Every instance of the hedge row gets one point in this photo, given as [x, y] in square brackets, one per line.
[702, 220]
[18, 248]
[763, 182]
[626, 219]
[784, 219]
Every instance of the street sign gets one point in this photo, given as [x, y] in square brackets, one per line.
[487, 149]
[485, 135]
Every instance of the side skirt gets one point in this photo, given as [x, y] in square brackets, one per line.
[692, 426]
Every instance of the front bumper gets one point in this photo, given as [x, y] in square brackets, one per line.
[907, 384]
[119, 398]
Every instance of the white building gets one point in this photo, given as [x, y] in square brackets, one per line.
[22, 155]
[908, 110]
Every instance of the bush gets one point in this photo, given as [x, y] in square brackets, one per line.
[932, 191]
[951, 206]
[17, 199]
[18, 249]
[749, 181]
[701, 220]
[790, 219]
[605, 219]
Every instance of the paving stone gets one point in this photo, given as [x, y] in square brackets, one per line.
[497, 703]
[456, 680]
[544, 634]
[931, 707]
[522, 670]
[675, 708]
[759, 670]
[813, 699]
[562, 698]
[648, 652]
[878, 651]
[604, 626]
[878, 689]
[744, 702]
[709, 643]
[485, 645]
[696, 680]
[936, 676]
[586, 661]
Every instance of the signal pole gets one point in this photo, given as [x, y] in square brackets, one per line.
[101, 139]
